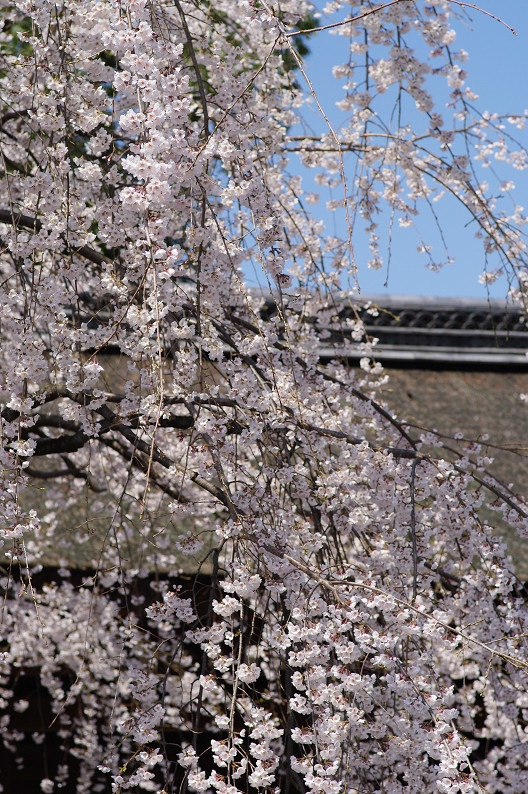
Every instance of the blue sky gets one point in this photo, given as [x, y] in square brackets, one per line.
[498, 73]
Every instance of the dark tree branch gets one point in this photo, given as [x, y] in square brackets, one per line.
[16, 219]
[12, 114]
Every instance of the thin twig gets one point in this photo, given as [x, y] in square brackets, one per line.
[345, 21]
[483, 11]
[413, 530]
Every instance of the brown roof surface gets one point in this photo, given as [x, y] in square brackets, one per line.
[473, 403]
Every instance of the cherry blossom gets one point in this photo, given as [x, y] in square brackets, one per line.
[230, 566]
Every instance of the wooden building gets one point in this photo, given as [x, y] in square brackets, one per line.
[460, 366]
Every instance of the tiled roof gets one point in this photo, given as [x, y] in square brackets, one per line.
[443, 332]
